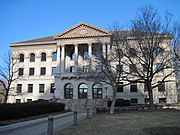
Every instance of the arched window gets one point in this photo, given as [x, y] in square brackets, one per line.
[43, 56]
[21, 57]
[97, 91]
[68, 91]
[54, 56]
[32, 57]
[82, 91]
[85, 56]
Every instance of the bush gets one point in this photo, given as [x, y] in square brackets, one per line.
[21, 110]
[120, 102]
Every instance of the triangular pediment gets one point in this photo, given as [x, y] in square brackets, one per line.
[82, 30]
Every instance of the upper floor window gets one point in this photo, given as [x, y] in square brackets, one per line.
[54, 56]
[72, 69]
[119, 68]
[21, 58]
[19, 88]
[43, 71]
[86, 69]
[132, 52]
[159, 66]
[41, 88]
[43, 56]
[159, 51]
[132, 68]
[98, 68]
[31, 71]
[21, 71]
[53, 70]
[30, 88]
[161, 86]
[133, 87]
[32, 57]
[120, 87]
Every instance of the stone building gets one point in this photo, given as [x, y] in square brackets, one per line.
[47, 69]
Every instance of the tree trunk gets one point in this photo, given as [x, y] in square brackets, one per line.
[113, 102]
[150, 93]
[6, 96]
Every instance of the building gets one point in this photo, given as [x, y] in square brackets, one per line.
[47, 70]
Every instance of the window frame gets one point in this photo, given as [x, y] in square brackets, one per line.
[68, 91]
[98, 94]
[84, 94]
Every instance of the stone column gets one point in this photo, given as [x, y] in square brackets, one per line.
[76, 56]
[90, 50]
[104, 49]
[62, 58]
[58, 60]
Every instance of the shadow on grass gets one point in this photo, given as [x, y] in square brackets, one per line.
[162, 130]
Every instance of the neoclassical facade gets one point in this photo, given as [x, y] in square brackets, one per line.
[48, 70]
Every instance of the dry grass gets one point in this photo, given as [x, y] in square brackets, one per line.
[166, 122]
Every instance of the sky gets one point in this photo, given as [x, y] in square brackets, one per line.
[28, 19]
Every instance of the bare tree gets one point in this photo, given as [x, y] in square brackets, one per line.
[7, 74]
[147, 51]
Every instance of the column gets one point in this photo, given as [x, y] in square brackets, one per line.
[62, 58]
[76, 56]
[90, 50]
[58, 60]
[104, 49]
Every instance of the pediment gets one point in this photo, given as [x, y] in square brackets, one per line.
[82, 30]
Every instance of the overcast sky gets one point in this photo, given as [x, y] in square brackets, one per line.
[27, 19]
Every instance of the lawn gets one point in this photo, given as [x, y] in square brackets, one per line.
[161, 122]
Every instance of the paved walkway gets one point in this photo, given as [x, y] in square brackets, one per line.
[39, 126]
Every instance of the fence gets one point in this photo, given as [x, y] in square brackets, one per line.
[46, 126]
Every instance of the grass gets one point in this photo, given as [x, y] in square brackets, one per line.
[159, 122]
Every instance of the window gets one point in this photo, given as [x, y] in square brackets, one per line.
[29, 100]
[82, 91]
[68, 91]
[31, 71]
[145, 87]
[72, 69]
[43, 71]
[21, 71]
[145, 67]
[119, 53]
[85, 56]
[132, 52]
[85, 69]
[18, 100]
[52, 88]
[159, 51]
[146, 100]
[53, 71]
[97, 91]
[119, 68]
[120, 87]
[134, 100]
[132, 68]
[161, 86]
[21, 58]
[159, 66]
[19, 88]
[54, 56]
[133, 87]
[32, 57]
[73, 56]
[30, 88]
[162, 100]
[43, 56]
[98, 68]
[41, 88]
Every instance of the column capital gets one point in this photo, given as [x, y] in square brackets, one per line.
[76, 44]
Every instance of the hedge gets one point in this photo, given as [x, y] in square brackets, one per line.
[21, 110]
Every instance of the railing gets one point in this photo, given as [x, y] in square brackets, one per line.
[46, 126]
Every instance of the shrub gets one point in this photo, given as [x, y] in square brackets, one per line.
[120, 102]
[21, 110]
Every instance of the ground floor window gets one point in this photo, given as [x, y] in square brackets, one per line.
[162, 100]
[134, 100]
[18, 100]
[82, 91]
[97, 91]
[68, 91]
[29, 100]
